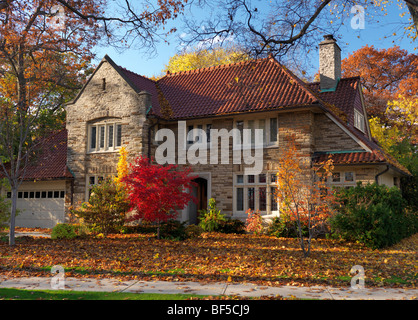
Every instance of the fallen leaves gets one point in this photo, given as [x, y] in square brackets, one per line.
[213, 257]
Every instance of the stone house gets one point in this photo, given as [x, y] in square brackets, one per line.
[117, 107]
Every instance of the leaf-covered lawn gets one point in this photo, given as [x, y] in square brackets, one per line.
[213, 257]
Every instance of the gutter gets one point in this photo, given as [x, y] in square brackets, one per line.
[380, 173]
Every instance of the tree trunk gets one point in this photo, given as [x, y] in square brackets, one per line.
[13, 217]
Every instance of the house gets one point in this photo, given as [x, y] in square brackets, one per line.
[117, 107]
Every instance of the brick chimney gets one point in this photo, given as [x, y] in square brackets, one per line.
[329, 63]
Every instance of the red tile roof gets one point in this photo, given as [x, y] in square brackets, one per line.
[256, 85]
[251, 86]
[51, 162]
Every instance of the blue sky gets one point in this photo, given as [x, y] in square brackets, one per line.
[376, 28]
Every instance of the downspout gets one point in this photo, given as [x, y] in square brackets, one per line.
[380, 173]
[149, 138]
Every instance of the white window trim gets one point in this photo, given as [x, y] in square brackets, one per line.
[256, 185]
[359, 120]
[342, 182]
[267, 143]
[106, 125]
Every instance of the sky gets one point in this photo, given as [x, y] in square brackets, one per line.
[349, 40]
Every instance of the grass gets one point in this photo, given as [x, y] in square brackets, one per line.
[20, 294]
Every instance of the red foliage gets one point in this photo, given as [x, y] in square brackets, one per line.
[157, 191]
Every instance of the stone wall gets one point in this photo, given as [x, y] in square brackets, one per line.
[116, 101]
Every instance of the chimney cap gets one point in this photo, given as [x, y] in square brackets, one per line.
[329, 37]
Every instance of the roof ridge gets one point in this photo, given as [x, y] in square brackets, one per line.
[220, 66]
[136, 74]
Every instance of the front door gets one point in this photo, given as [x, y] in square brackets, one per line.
[200, 191]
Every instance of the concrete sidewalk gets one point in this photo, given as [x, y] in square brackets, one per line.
[245, 290]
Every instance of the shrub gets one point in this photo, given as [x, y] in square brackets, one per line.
[193, 231]
[374, 215]
[211, 220]
[4, 212]
[254, 222]
[68, 231]
[173, 230]
[232, 226]
[282, 227]
[106, 209]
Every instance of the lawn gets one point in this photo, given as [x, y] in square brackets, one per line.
[18, 294]
[213, 257]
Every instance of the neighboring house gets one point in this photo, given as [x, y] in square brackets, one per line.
[117, 107]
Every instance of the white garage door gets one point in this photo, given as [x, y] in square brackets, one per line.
[40, 207]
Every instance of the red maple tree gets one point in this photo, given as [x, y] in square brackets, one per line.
[157, 192]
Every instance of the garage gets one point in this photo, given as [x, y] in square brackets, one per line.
[40, 204]
[41, 196]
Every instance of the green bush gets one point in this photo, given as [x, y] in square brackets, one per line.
[173, 230]
[374, 215]
[211, 219]
[285, 228]
[231, 226]
[4, 212]
[105, 212]
[68, 231]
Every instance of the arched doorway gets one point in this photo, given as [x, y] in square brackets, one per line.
[200, 191]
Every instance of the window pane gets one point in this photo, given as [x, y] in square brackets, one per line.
[50, 194]
[273, 178]
[20, 194]
[118, 135]
[273, 129]
[251, 127]
[273, 198]
[102, 137]
[240, 178]
[199, 133]
[208, 128]
[91, 180]
[262, 126]
[240, 199]
[43, 194]
[251, 201]
[262, 197]
[37, 194]
[240, 127]
[25, 194]
[349, 176]
[62, 194]
[190, 134]
[336, 177]
[110, 136]
[93, 138]
[56, 194]
[251, 178]
[31, 194]
[262, 178]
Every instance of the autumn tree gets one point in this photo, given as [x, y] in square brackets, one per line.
[203, 58]
[386, 74]
[303, 194]
[44, 46]
[157, 192]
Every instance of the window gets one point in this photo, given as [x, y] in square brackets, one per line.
[197, 135]
[106, 136]
[343, 179]
[359, 120]
[256, 192]
[268, 127]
